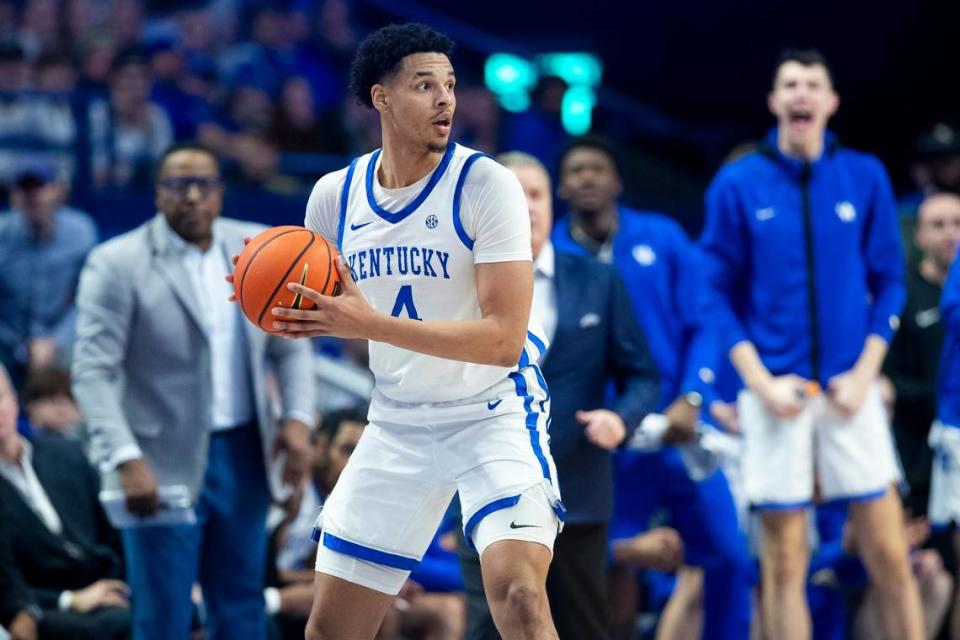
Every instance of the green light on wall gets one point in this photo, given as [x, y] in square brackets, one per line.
[511, 78]
[577, 110]
[573, 68]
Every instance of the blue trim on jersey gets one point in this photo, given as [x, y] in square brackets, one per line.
[858, 497]
[457, 192]
[355, 550]
[543, 384]
[395, 217]
[483, 512]
[537, 342]
[782, 506]
[531, 421]
[343, 203]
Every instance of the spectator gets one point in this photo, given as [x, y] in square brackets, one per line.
[805, 272]
[171, 384]
[594, 338]
[301, 128]
[914, 358]
[49, 403]
[660, 268]
[945, 434]
[128, 132]
[60, 539]
[43, 245]
[19, 613]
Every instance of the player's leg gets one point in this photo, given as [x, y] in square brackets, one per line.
[879, 531]
[682, 618]
[374, 529]
[778, 482]
[857, 462]
[515, 580]
[343, 610]
[783, 563]
[955, 616]
[511, 506]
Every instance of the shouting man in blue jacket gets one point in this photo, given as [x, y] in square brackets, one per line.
[805, 269]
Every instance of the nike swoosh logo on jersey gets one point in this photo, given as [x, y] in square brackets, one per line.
[354, 227]
[494, 405]
[514, 525]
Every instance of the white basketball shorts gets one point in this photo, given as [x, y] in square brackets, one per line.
[412, 458]
[851, 458]
[944, 507]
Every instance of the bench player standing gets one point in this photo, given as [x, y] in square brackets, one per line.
[806, 267]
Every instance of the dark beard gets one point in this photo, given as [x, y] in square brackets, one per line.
[436, 148]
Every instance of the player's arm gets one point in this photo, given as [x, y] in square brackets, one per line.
[883, 254]
[504, 293]
[724, 249]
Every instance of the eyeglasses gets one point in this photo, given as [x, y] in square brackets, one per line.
[181, 186]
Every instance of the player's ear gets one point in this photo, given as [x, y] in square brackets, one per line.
[834, 104]
[379, 98]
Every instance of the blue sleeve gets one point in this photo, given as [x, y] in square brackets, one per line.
[950, 300]
[630, 364]
[883, 253]
[699, 342]
[724, 254]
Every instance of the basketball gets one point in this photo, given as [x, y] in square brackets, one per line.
[275, 258]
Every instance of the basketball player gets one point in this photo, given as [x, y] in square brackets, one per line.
[805, 265]
[438, 277]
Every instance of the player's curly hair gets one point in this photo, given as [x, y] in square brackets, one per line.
[381, 53]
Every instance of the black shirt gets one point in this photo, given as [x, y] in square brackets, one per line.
[912, 365]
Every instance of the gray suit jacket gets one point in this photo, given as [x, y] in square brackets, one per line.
[141, 365]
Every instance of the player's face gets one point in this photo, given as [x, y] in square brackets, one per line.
[9, 409]
[938, 228]
[190, 194]
[589, 180]
[418, 101]
[340, 450]
[536, 186]
[803, 101]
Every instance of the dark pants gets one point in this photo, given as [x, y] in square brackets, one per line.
[105, 623]
[224, 551]
[576, 586]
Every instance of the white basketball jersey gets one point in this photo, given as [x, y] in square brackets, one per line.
[413, 251]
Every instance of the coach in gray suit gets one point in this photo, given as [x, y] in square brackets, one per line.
[170, 379]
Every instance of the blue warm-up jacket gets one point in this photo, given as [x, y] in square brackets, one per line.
[662, 272]
[803, 259]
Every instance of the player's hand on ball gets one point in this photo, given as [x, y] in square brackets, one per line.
[233, 261]
[347, 316]
[293, 438]
[784, 395]
[603, 428]
[847, 391]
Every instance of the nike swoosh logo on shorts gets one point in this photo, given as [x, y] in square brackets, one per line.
[514, 525]
[494, 405]
[354, 227]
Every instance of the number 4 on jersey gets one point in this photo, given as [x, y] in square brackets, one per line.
[405, 302]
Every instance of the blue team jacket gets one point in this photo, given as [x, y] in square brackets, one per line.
[805, 260]
[661, 270]
[948, 387]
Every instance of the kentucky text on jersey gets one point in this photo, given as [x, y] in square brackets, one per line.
[402, 260]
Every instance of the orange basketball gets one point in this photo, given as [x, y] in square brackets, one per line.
[279, 256]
